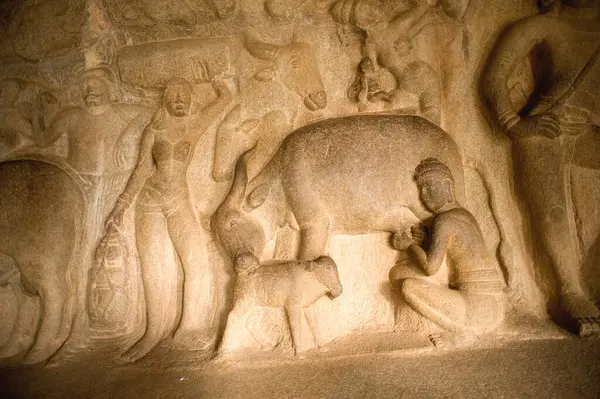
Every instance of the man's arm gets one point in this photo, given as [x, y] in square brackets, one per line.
[432, 261]
[514, 46]
[45, 137]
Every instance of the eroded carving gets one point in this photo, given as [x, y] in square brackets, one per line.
[388, 31]
[472, 303]
[543, 93]
[265, 124]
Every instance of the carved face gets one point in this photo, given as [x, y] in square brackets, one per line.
[403, 46]
[327, 273]
[95, 91]
[435, 193]
[178, 99]
[366, 65]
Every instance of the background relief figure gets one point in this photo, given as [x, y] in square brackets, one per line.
[553, 127]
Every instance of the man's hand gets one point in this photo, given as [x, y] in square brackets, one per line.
[224, 84]
[402, 241]
[546, 125]
[418, 233]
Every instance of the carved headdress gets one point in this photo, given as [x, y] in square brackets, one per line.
[432, 166]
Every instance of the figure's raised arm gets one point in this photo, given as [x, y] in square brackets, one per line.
[209, 114]
[46, 136]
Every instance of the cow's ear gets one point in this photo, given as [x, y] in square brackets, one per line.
[258, 196]
[266, 74]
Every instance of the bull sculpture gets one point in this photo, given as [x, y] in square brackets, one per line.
[351, 175]
[290, 78]
[40, 229]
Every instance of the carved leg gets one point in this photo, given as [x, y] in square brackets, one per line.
[309, 313]
[55, 320]
[18, 340]
[445, 307]
[293, 313]
[149, 228]
[196, 329]
[313, 238]
[543, 174]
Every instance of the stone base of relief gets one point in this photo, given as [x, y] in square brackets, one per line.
[236, 181]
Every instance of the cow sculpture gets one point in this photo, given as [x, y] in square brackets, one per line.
[350, 175]
[40, 225]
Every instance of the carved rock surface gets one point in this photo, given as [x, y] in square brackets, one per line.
[145, 146]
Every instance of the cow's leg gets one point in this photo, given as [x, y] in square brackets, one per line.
[309, 313]
[314, 237]
[19, 340]
[55, 319]
[293, 313]
[236, 320]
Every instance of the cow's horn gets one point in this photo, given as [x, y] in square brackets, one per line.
[240, 179]
[264, 51]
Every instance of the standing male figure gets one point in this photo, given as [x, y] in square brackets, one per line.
[473, 302]
[103, 138]
[558, 55]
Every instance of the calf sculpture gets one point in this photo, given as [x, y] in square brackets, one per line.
[294, 286]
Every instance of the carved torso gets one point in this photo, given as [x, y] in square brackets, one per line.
[172, 152]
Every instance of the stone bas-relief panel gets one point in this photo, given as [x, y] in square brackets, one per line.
[225, 178]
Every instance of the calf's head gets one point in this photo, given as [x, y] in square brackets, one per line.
[326, 271]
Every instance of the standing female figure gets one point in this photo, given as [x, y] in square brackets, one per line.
[159, 187]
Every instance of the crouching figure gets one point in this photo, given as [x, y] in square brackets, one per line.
[473, 302]
[292, 285]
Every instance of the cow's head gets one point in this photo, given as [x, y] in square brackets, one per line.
[296, 66]
[238, 231]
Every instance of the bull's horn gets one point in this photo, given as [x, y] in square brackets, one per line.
[264, 51]
[240, 179]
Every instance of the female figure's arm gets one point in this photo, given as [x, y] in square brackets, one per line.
[141, 173]
[208, 115]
